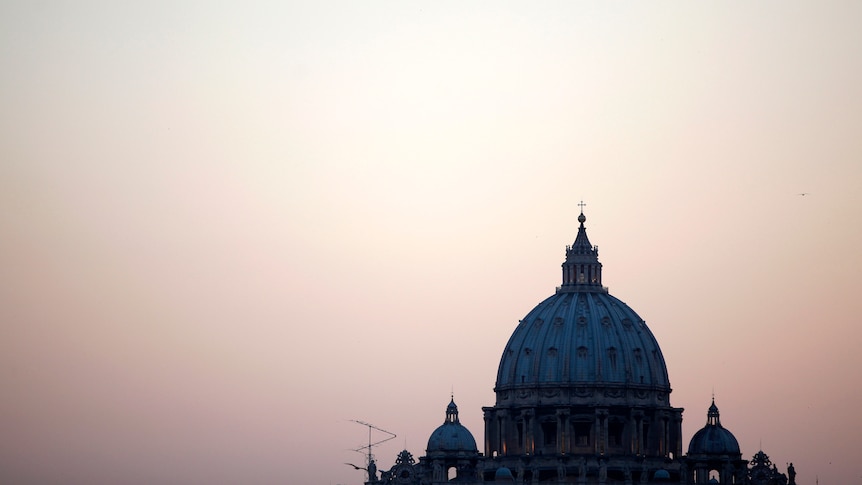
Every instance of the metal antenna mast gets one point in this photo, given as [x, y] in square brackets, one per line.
[366, 449]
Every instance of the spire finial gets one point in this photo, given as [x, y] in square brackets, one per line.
[581, 205]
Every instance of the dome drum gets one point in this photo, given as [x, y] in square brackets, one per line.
[558, 430]
[574, 395]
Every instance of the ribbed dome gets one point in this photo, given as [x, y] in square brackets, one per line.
[582, 337]
[582, 375]
[713, 439]
[451, 437]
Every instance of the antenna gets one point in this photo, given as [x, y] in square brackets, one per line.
[370, 467]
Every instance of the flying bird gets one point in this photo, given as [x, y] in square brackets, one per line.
[803, 194]
[354, 466]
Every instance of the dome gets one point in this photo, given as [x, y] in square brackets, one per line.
[503, 474]
[451, 437]
[661, 475]
[713, 439]
[582, 375]
[582, 337]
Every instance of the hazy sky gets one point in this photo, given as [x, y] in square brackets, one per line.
[229, 228]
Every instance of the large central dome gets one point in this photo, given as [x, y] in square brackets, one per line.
[582, 338]
[583, 376]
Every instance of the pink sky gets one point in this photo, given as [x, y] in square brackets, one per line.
[227, 230]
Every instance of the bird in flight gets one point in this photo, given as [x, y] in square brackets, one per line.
[803, 194]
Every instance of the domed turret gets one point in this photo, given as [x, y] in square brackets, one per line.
[661, 476]
[713, 439]
[714, 449]
[451, 438]
[504, 475]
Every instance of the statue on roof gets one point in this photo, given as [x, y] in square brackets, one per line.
[372, 471]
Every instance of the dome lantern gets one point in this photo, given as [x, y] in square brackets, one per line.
[582, 270]
[452, 412]
[713, 439]
[451, 437]
[712, 415]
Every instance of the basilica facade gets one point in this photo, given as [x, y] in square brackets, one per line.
[582, 397]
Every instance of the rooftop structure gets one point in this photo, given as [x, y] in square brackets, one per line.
[582, 397]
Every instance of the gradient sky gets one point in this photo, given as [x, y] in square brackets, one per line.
[229, 228]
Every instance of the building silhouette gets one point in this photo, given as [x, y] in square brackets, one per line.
[582, 397]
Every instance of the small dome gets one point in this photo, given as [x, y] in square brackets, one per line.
[713, 439]
[503, 474]
[661, 475]
[452, 437]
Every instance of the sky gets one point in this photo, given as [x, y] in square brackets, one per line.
[227, 229]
